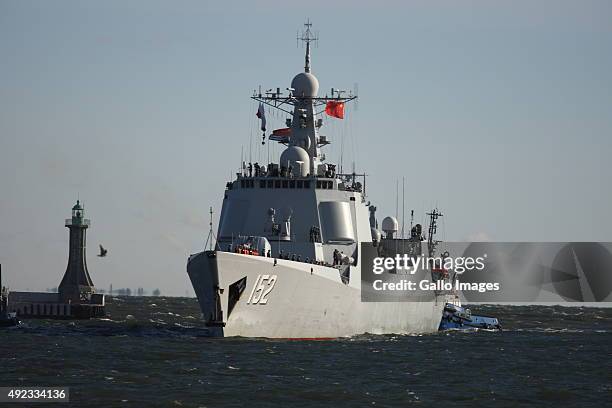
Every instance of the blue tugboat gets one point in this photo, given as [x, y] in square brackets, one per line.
[6, 319]
[457, 317]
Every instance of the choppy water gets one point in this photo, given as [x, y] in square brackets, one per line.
[547, 356]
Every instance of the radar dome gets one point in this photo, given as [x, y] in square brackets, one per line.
[298, 159]
[305, 84]
[390, 226]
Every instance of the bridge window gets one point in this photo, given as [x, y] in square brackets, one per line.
[247, 183]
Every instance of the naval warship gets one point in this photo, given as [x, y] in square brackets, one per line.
[295, 235]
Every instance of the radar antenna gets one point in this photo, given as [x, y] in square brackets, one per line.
[307, 37]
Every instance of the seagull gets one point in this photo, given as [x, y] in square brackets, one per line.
[103, 252]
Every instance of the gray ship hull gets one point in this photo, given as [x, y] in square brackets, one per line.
[251, 296]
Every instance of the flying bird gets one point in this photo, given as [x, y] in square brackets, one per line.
[103, 252]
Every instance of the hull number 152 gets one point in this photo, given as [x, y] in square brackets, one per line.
[261, 289]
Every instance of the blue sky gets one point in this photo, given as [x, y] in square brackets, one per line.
[499, 113]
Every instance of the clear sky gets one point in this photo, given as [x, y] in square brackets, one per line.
[499, 113]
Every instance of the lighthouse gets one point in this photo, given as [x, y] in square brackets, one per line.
[76, 285]
[76, 297]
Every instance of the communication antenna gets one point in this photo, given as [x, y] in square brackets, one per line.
[356, 94]
[403, 203]
[250, 140]
[396, 199]
[341, 151]
[307, 37]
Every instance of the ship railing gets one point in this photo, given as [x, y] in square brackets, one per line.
[76, 221]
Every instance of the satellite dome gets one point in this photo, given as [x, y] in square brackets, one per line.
[390, 226]
[298, 159]
[305, 85]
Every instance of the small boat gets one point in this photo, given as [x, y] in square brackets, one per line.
[456, 317]
[9, 320]
[6, 319]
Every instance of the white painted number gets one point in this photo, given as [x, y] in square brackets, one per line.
[262, 287]
[271, 282]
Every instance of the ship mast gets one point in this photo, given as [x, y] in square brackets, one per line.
[433, 228]
[302, 103]
[307, 37]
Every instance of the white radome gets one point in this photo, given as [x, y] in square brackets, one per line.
[305, 84]
[298, 159]
[390, 225]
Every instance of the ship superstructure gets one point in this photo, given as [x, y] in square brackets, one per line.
[293, 234]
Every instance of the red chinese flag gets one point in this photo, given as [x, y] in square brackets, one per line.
[335, 109]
